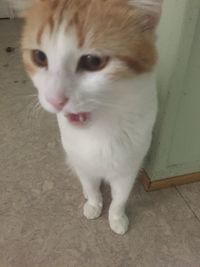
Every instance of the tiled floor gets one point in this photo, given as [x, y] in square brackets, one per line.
[41, 221]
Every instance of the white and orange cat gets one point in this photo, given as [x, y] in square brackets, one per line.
[92, 62]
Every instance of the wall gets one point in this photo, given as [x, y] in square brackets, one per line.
[175, 149]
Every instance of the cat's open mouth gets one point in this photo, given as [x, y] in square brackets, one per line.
[78, 119]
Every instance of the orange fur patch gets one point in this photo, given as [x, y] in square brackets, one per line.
[30, 67]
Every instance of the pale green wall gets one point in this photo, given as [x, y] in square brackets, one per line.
[176, 148]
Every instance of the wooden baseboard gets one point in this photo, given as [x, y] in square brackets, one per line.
[169, 182]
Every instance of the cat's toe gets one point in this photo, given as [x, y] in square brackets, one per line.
[120, 225]
[92, 212]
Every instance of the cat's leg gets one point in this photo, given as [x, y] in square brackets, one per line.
[120, 190]
[91, 189]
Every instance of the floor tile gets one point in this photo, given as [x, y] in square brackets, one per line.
[191, 194]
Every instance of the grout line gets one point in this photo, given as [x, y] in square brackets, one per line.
[191, 209]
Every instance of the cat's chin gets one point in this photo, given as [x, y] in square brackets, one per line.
[78, 119]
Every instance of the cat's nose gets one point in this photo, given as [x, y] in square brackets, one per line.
[58, 102]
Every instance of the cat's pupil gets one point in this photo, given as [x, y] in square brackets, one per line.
[91, 63]
[39, 58]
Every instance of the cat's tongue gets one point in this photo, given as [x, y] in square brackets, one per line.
[79, 118]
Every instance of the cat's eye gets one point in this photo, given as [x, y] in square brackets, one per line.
[92, 63]
[39, 58]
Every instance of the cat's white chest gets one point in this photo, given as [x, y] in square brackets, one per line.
[85, 150]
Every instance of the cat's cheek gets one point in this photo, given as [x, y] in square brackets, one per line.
[94, 83]
[40, 85]
[48, 107]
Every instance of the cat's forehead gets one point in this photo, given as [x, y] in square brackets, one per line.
[96, 20]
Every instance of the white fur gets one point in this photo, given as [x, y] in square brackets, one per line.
[114, 143]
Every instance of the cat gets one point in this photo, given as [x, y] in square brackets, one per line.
[93, 64]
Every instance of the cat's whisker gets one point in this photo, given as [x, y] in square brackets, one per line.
[32, 108]
[27, 96]
[36, 110]
[30, 96]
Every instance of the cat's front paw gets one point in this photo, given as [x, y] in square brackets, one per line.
[119, 225]
[92, 212]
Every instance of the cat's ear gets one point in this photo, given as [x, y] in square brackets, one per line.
[150, 11]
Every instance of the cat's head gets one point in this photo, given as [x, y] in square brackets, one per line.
[77, 50]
